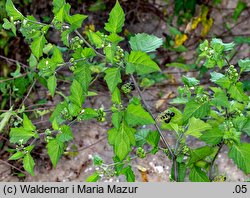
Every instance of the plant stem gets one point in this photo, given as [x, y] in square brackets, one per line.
[212, 163]
[157, 127]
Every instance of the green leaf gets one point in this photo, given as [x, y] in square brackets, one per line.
[141, 63]
[94, 177]
[145, 42]
[197, 110]
[117, 118]
[241, 5]
[246, 127]
[122, 139]
[141, 137]
[57, 55]
[116, 96]
[9, 26]
[241, 156]
[20, 135]
[212, 136]
[32, 61]
[12, 11]
[113, 78]
[236, 92]
[220, 98]
[199, 154]
[76, 20]
[129, 174]
[83, 75]
[153, 138]
[76, 91]
[27, 124]
[6, 117]
[51, 83]
[17, 155]
[197, 175]
[244, 65]
[57, 4]
[97, 160]
[220, 79]
[190, 81]
[88, 114]
[65, 135]
[28, 164]
[55, 150]
[116, 19]
[37, 46]
[96, 38]
[136, 115]
[196, 126]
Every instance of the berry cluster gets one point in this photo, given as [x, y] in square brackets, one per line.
[201, 98]
[119, 54]
[73, 64]
[232, 74]
[141, 152]
[166, 116]
[101, 115]
[219, 178]
[75, 43]
[128, 87]
[185, 150]
[65, 114]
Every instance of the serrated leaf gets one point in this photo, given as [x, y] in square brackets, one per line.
[197, 175]
[117, 118]
[6, 117]
[9, 26]
[129, 174]
[20, 135]
[196, 126]
[83, 75]
[145, 42]
[136, 115]
[65, 135]
[199, 154]
[113, 78]
[96, 38]
[141, 63]
[76, 20]
[153, 138]
[116, 19]
[141, 137]
[27, 124]
[212, 136]
[116, 96]
[246, 127]
[93, 178]
[28, 164]
[17, 155]
[88, 114]
[197, 110]
[55, 151]
[76, 96]
[244, 65]
[190, 81]
[122, 139]
[220, 79]
[236, 92]
[241, 156]
[51, 83]
[37, 46]
[12, 11]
